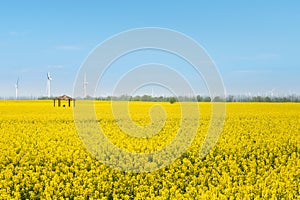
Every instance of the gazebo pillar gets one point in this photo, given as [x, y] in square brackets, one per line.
[63, 98]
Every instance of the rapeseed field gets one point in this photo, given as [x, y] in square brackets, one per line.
[257, 155]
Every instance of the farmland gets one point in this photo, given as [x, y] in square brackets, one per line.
[257, 154]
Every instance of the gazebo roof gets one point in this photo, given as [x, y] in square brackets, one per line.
[64, 97]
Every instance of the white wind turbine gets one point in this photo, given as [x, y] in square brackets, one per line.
[272, 93]
[49, 79]
[85, 83]
[17, 88]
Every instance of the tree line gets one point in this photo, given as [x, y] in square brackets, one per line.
[198, 98]
[171, 99]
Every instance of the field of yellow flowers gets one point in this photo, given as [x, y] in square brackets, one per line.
[257, 155]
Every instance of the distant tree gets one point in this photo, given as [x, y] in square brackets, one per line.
[136, 98]
[257, 99]
[199, 98]
[45, 98]
[88, 97]
[161, 99]
[124, 97]
[230, 98]
[146, 98]
[267, 99]
[172, 100]
[108, 98]
[217, 99]
[207, 99]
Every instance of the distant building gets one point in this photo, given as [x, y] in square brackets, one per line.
[64, 98]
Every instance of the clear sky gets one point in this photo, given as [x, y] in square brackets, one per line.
[255, 44]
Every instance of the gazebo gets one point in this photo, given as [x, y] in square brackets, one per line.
[64, 98]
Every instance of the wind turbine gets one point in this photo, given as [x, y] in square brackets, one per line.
[17, 87]
[49, 79]
[272, 93]
[85, 83]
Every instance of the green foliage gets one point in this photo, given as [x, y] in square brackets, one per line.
[172, 100]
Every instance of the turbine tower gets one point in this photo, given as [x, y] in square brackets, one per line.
[85, 83]
[49, 79]
[17, 87]
[272, 93]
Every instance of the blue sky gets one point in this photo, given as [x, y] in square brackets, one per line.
[255, 44]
